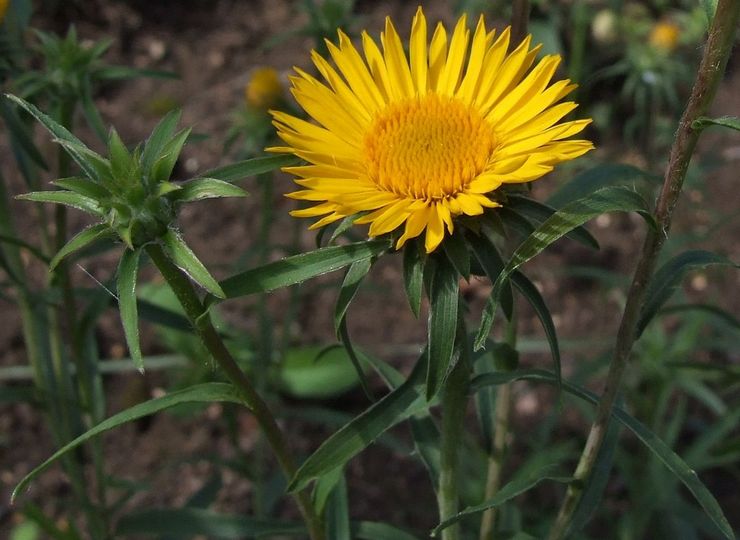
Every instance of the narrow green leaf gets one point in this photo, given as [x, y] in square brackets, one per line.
[428, 445]
[413, 275]
[324, 487]
[513, 220]
[161, 135]
[574, 214]
[540, 212]
[117, 73]
[251, 167]
[337, 512]
[457, 253]
[164, 317]
[506, 493]
[351, 284]
[83, 186]
[599, 177]
[732, 122]
[80, 240]
[206, 188]
[128, 269]
[670, 459]
[533, 296]
[91, 113]
[668, 277]
[359, 433]
[67, 198]
[184, 257]
[201, 393]
[719, 313]
[60, 133]
[442, 327]
[490, 260]
[188, 522]
[298, 268]
[165, 162]
[710, 8]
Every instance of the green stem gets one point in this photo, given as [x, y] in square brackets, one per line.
[201, 321]
[502, 413]
[714, 61]
[454, 402]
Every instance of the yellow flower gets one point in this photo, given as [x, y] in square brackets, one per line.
[3, 9]
[264, 88]
[664, 36]
[418, 143]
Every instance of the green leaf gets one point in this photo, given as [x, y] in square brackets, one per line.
[533, 296]
[184, 257]
[337, 512]
[506, 493]
[669, 458]
[428, 445]
[117, 73]
[413, 275]
[457, 253]
[442, 327]
[201, 393]
[166, 160]
[67, 198]
[80, 240]
[361, 431]
[206, 188]
[311, 372]
[60, 133]
[540, 212]
[90, 111]
[83, 186]
[251, 167]
[597, 178]
[666, 280]
[732, 122]
[719, 313]
[128, 269]
[352, 281]
[298, 268]
[187, 522]
[161, 135]
[490, 259]
[574, 214]
[324, 487]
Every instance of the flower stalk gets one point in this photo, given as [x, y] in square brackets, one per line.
[201, 321]
[454, 402]
[714, 60]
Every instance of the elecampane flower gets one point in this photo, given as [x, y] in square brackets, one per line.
[415, 142]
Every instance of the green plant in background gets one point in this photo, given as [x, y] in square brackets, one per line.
[384, 122]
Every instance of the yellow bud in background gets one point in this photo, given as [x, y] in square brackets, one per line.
[264, 89]
[664, 36]
[3, 9]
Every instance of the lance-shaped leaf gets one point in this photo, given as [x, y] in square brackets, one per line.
[442, 327]
[164, 165]
[413, 275]
[490, 260]
[184, 257]
[61, 134]
[161, 135]
[599, 177]
[79, 241]
[732, 122]
[67, 198]
[352, 280]
[611, 199]
[250, 167]
[540, 212]
[337, 512]
[665, 281]
[457, 253]
[359, 433]
[201, 393]
[663, 452]
[206, 188]
[506, 493]
[298, 268]
[128, 268]
[84, 186]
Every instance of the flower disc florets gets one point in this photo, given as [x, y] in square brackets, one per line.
[415, 142]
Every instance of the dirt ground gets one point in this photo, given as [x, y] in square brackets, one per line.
[213, 46]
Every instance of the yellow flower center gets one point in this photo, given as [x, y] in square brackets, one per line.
[428, 147]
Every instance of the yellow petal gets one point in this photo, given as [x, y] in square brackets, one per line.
[452, 72]
[418, 52]
[437, 55]
[435, 229]
[414, 225]
[395, 59]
